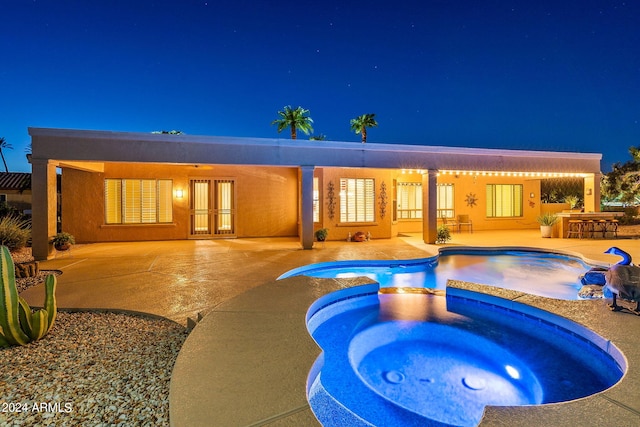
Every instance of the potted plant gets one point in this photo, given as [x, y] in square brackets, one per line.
[443, 234]
[572, 201]
[547, 221]
[63, 241]
[321, 235]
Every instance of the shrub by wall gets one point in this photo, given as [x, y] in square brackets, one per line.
[14, 232]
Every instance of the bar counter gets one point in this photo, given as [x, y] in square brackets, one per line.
[565, 217]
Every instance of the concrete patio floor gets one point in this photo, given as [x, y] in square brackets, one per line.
[246, 363]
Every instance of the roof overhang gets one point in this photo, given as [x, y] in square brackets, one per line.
[68, 146]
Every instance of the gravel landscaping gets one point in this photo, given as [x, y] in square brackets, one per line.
[91, 369]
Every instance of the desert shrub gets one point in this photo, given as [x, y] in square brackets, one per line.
[14, 232]
[8, 210]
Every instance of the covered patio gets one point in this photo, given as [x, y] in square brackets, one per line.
[86, 157]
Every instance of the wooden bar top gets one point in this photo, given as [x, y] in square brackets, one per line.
[589, 215]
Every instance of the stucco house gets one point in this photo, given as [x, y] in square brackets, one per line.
[122, 186]
[15, 190]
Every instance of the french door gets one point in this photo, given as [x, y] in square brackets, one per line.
[212, 208]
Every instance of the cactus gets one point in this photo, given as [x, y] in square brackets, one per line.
[18, 325]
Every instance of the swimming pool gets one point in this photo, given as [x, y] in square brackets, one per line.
[536, 272]
[409, 359]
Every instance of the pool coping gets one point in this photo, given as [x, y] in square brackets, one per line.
[247, 362]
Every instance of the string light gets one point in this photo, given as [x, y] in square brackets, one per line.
[499, 173]
[516, 174]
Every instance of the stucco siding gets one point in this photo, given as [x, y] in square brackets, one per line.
[266, 201]
[467, 187]
[380, 227]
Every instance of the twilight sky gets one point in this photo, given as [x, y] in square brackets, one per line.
[539, 75]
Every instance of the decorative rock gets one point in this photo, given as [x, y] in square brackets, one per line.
[27, 269]
[113, 369]
[359, 237]
[591, 292]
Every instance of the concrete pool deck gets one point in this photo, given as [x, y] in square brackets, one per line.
[247, 361]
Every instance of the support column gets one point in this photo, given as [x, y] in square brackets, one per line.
[306, 206]
[592, 192]
[44, 207]
[429, 206]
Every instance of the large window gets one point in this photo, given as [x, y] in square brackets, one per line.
[409, 200]
[357, 199]
[316, 200]
[138, 201]
[504, 200]
[445, 200]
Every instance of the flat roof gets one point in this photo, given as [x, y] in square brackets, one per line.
[110, 146]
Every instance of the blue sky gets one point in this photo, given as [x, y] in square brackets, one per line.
[539, 75]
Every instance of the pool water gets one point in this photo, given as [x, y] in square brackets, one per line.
[418, 359]
[535, 272]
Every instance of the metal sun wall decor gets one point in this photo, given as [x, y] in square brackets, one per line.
[471, 200]
[383, 199]
[331, 199]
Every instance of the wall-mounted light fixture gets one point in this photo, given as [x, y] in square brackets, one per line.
[531, 195]
[589, 192]
[179, 194]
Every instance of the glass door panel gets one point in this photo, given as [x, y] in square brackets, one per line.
[224, 211]
[200, 207]
[212, 207]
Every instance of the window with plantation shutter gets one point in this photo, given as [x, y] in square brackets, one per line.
[409, 200]
[138, 201]
[165, 200]
[445, 200]
[113, 201]
[316, 200]
[504, 200]
[357, 200]
[131, 201]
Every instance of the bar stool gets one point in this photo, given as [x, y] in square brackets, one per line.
[602, 225]
[588, 228]
[575, 228]
[613, 223]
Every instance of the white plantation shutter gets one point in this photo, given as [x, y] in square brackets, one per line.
[113, 201]
[409, 200]
[131, 204]
[148, 201]
[357, 200]
[138, 201]
[165, 200]
[445, 201]
[316, 200]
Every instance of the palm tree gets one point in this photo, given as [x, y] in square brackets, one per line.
[319, 137]
[169, 132]
[361, 123]
[296, 119]
[6, 145]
